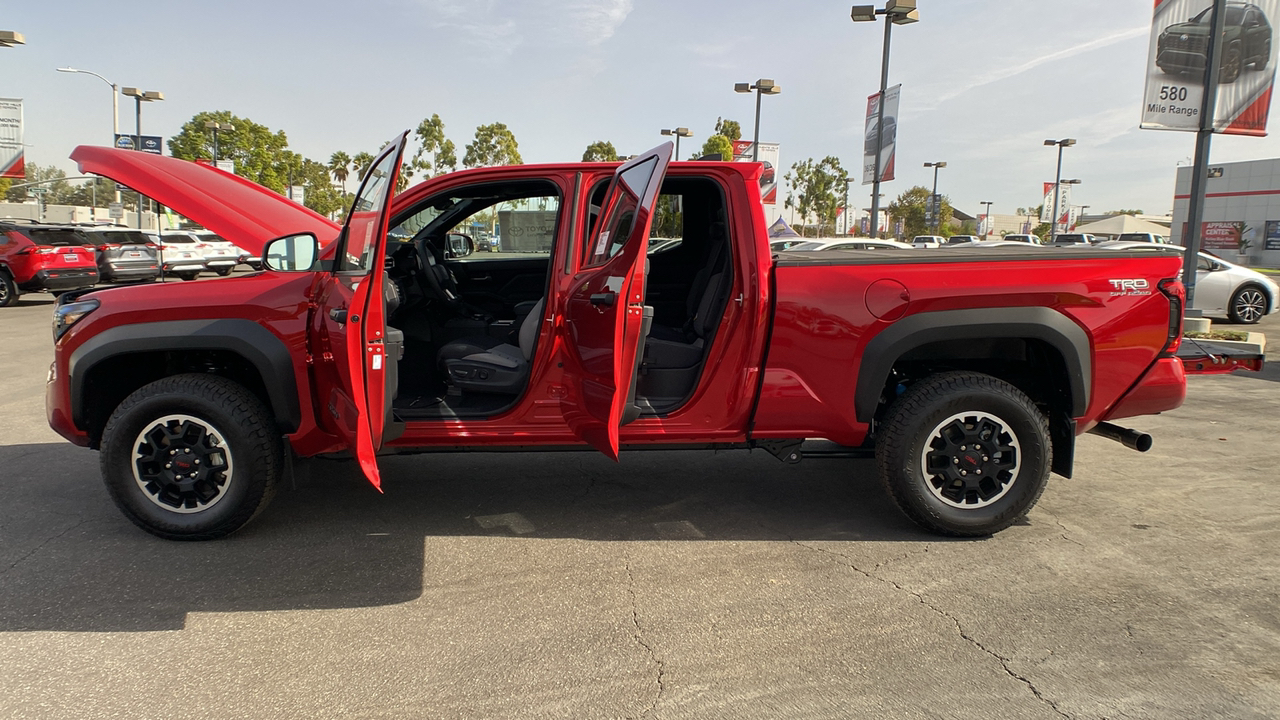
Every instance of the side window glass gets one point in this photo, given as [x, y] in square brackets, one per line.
[666, 233]
[524, 227]
[1202, 264]
[359, 245]
[612, 236]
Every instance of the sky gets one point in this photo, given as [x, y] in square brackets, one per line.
[984, 83]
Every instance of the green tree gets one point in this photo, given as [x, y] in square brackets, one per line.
[909, 207]
[431, 139]
[255, 148]
[4, 186]
[361, 162]
[59, 190]
[729, 128]
[718, 145]
[494, 145]
[817, 192]
[600, 151]
[1125, 212]
[340, 167]
[319, 194]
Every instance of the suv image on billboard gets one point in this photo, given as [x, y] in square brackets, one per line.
[1246, 38]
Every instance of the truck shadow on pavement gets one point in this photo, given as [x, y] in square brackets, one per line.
[69, 561]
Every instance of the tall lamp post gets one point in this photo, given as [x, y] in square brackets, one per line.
[9, 38]
[139, 97]
[763, 86]
[115, 99]
[215, 126]
[1057, 183]
[988, 225]
[679, 133]
[934, 201]
[895, 12]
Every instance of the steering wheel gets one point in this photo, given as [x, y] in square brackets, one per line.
[438, 277]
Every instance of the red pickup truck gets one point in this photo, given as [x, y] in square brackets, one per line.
[967, 374]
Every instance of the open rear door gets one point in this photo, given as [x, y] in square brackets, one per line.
[605, 313]
[351, 319]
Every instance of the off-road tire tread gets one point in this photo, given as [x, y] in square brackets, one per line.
[895, 436]
[245, 413]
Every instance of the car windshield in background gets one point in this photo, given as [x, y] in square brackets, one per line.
[123, 237]
[1235, 16]
[177, 238]
[806, 246]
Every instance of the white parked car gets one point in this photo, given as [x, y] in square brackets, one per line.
[1142, 237]
[928, 241]
[1223, 289]
[823, 245]
[180, 256]
[217, 250]
[958, 239]
[1023, 238]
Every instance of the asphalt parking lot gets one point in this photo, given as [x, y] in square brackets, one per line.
[671, 585]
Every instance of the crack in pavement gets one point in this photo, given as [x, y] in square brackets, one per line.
[1061, 527]
[1004, 662]
[44, 542]
[636, 635]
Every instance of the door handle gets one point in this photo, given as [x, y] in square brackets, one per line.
[339, 315]
[606, 299]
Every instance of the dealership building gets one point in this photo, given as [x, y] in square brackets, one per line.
[1243, 192]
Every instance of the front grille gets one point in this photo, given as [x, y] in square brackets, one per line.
[1192, 43]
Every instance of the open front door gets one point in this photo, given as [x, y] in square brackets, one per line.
[605, 312]
[351, 321]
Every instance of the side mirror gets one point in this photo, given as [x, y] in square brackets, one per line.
[291, 253]
[459, 245]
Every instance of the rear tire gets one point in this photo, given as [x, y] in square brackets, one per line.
[8, 289]
[1248, 305]
[191, 457]
[964, 454]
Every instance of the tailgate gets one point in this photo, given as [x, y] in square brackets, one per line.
[1214, 357]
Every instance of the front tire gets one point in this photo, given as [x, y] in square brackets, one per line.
[1248, 305]
[191, 457]
[1232, 64]
[964, 454]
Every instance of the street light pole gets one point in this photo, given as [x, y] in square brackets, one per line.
[141, 96]
[934, 200]
[988, 203]
[215, 126]
[1057, 184]
[896, 12]
[678, 133]
[763, 86]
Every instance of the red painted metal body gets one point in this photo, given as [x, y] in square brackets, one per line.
[788, 348]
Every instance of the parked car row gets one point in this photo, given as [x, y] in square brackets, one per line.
[40, 257]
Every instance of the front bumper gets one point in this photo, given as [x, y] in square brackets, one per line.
[1180, 61]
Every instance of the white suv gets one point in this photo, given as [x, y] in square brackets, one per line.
[1023, 237]
[219, 255]
[928, 241]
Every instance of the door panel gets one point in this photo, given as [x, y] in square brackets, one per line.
[350, 322]
[498, 285]
[605, 311]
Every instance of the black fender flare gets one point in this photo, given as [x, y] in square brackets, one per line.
[246, 338]
[913, 331]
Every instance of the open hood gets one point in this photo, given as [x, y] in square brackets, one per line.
[239, 210]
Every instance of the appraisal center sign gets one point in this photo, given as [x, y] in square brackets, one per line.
[1179, 52]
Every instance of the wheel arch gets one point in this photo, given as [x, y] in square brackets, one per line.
[1038, 350]
[111, 365]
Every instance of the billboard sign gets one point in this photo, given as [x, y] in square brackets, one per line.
[769, 158]
[1177, 55]
[885, 143]
[153, 144]
[1218, 235]
[12, 157]
[1272, 240]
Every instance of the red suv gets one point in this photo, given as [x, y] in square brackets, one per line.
[35, 257]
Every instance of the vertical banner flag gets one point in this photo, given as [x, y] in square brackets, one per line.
[1178, 54]
[768, 158]
[12, 163]
[1064, 206]
[886, 144]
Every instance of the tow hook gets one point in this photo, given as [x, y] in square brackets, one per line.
[1129, 438]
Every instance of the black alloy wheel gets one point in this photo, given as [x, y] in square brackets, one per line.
[964, 454]
[1232, 63]
[191, 457]
[8, 290]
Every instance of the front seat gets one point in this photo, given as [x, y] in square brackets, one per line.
[488, 365]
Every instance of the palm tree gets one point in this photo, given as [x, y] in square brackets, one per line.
[361, 162]
[339, 164]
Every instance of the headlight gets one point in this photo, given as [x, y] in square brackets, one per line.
[64, 316]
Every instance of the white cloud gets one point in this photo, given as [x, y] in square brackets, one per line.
[1003, 73]
[500, 26]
